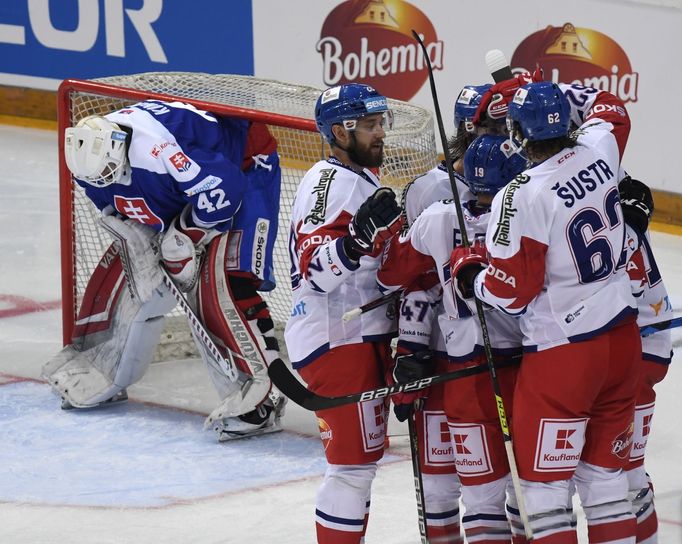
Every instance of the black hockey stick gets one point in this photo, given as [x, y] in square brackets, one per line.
[417, 473]
[288, 384]
[501, 412]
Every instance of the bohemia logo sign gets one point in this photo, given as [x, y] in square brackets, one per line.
[370, 41]
[578, 55]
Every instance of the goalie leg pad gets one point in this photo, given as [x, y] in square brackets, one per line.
[238, 319]
[114, 347]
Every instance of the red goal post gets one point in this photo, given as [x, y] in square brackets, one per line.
[286, 108]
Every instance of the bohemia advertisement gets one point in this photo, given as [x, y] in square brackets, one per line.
[322, 43]
[370, 41]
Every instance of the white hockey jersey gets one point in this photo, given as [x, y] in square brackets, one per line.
[427, 245]
[431, 187]
[556, 240]
[325, 283]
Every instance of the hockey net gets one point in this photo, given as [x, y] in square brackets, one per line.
[287, 109]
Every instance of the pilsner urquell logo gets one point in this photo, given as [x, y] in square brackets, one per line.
[578, 55]
[370, 41]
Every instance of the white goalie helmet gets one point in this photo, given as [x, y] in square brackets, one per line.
[95, 151]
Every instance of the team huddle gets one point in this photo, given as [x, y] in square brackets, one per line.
[526, 249]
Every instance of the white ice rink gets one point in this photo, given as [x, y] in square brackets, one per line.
[145, 471]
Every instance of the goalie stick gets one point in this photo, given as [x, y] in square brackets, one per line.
[216, 359]
[225, 366]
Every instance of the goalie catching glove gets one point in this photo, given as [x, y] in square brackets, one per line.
[378, 218]
[409, 368]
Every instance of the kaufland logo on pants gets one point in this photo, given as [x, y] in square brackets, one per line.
[560, 444]
[472, 457]
[370, 41]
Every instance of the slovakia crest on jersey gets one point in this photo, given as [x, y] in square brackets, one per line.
[136, 208]
[181, 162]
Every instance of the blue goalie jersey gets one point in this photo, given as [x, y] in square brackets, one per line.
[181, 156]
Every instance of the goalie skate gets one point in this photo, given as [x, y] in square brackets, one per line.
[121, 396]
[265, 419]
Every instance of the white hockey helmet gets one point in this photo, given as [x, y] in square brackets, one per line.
[95, 151]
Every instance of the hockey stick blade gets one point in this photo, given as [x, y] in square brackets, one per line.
[498, 66]
[287, 383]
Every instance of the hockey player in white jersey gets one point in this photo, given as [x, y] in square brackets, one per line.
[556, 260]
[434, 185]
[341, 216]
[475, 436]
[198, 192]
[654, 306]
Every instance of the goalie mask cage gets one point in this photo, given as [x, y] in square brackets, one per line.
[286, 108]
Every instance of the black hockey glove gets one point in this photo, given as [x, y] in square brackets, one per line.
[637, 203]
[410, 368]
[377, 220]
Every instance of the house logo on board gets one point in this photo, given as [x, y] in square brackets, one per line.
[370, 41]
[569, 54]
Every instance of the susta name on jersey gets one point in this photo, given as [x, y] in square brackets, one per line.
[579, 185]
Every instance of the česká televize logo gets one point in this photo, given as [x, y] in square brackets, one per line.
[583, 56]
[370, 41]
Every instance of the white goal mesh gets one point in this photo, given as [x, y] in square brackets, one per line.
[287, 109]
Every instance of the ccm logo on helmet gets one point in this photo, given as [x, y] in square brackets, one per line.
[501, 275]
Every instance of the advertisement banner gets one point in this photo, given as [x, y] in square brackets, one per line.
[43, 40]
[624, 48]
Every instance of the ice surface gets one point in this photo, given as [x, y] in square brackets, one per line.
[146, 472]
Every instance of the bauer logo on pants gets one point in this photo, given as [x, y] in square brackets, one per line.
[560, 443]
[472, 457]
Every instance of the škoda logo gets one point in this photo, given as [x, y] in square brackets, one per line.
[580, 56]
[370, 41]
